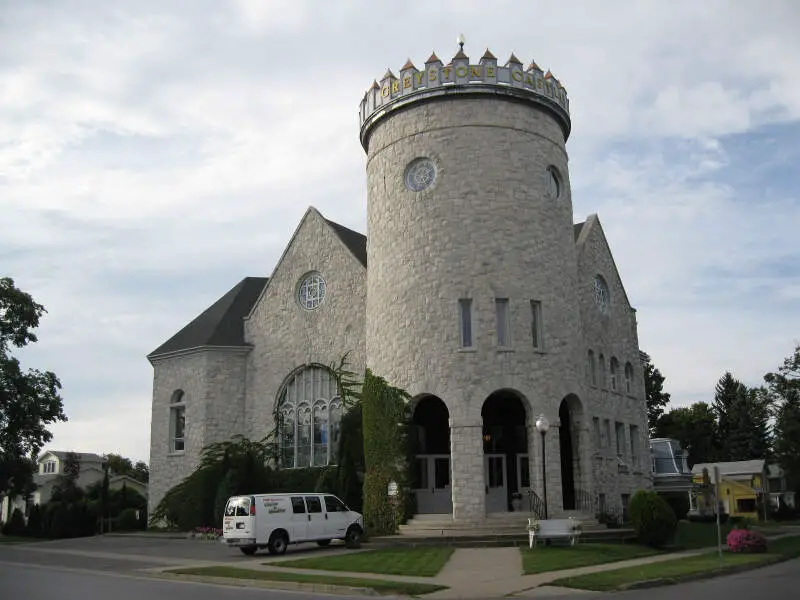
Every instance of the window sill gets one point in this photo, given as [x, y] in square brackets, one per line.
[504, 349]
[468, 350]
[176, 453]
[539, 351]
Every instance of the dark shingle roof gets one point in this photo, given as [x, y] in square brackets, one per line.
[222, 324]
[577, 229]
[356, 242]
[83, 456]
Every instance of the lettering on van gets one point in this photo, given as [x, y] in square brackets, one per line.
[272, 506]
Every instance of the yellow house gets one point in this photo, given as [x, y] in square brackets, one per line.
[742, 484]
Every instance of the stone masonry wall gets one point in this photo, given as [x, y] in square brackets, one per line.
[484, 229]
[286, 336]
[612, 335]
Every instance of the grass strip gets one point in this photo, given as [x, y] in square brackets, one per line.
[558, 558]
[682, 569]
[416, 562]
[14, 539]
[379, 585]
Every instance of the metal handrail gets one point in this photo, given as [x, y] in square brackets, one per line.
[535, 504]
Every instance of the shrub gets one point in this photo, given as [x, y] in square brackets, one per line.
[679, 503]
[652, 518]
[746, 541]
[35, 526]
[127, 521]
[15, 525]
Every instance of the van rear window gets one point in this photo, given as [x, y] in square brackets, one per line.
[238, 507]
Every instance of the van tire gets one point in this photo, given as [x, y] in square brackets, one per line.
[323, 543]
[352, 538]
[248, 550]
[278, 542]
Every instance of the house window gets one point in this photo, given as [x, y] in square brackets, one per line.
[625, 501]
[628, 378]
[536, 324]
[503, 326]
[177, 421]
[49, 466]
[596, 432]
[465, 320]
[601, 503]
[746, 505]
[607, 431]
[309, 419]
[634, 445]
[614, 367]
[620, 431]
[592, 368]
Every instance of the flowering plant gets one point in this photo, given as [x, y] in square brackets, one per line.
[206, 533]
[744, 540]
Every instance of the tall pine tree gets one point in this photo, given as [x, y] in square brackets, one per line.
[783, 387]
[742, 420]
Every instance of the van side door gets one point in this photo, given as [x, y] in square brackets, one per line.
[316, 518]
[299, 520]
[337, 516]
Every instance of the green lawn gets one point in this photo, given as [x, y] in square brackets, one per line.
[417, 562]
[13, 539]
[557, 558]
[700, 535]
[674, 571]
[380, 586]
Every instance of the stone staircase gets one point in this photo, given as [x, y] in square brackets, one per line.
[501, 529]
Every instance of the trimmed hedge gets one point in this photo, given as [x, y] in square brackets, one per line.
[652, 518]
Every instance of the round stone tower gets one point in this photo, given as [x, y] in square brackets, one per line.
[471, 280]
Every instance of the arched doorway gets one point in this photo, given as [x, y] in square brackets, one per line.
[431, 444]
[505, 449]
[569, 413]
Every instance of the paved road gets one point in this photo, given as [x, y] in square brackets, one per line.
[37, 583]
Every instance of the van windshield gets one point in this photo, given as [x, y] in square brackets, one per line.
[238, 507]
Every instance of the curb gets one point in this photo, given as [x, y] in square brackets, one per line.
[733, 570]
[276, 585]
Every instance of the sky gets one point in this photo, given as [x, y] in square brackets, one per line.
[153, 153]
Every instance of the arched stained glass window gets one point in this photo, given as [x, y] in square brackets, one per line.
[310, 413]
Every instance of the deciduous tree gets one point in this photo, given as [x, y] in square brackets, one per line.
[783, 386]
[657, 398]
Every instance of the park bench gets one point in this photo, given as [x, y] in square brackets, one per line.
[553, 529]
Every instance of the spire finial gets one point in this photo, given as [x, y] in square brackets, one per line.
[460, 41]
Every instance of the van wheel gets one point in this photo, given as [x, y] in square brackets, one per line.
[353, 537]
[248, 550]
[324, 543]
[278, 542]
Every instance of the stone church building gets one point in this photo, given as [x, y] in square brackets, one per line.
[474, 290]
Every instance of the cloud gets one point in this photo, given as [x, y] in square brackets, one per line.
[152, 156]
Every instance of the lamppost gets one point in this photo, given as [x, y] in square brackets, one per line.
[542, 426]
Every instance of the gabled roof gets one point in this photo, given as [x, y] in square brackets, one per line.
[355, 242]
[83, 456]
[739, 467]
[219, 325]
[577, 229]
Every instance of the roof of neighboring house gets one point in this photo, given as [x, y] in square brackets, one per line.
[83, 456]
[127, 479]
[221, 324]
[740, 467]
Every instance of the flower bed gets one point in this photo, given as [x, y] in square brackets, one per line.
[746, 541]
[205, 533]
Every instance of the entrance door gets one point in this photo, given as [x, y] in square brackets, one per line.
[432, 485]
[496, 484]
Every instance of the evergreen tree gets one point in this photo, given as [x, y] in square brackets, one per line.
[742, 417]
[657, 398]
[783, 388]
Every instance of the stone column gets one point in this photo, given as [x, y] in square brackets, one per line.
[466, 455]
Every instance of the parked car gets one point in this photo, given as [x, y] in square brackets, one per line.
[273, 521]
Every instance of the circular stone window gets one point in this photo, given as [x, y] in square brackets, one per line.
[601, 296]
[420, 174]
[552, 183]
[311, 292]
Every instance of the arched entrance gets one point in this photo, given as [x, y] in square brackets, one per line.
[569, 413]
[431, 443]
[505, 448]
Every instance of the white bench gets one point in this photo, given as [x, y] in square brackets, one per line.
[553, 529]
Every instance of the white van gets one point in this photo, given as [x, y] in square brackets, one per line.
[274, 521]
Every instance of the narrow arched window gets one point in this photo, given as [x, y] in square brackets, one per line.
[177, 421]
[309, 416]
[628, 378]
[602, 364]
[591, 368]
[613, 370]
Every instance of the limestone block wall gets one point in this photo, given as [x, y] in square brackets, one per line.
[286, 336]
[485, 229]
[226, 373]
[611, 335]
[187, 372]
